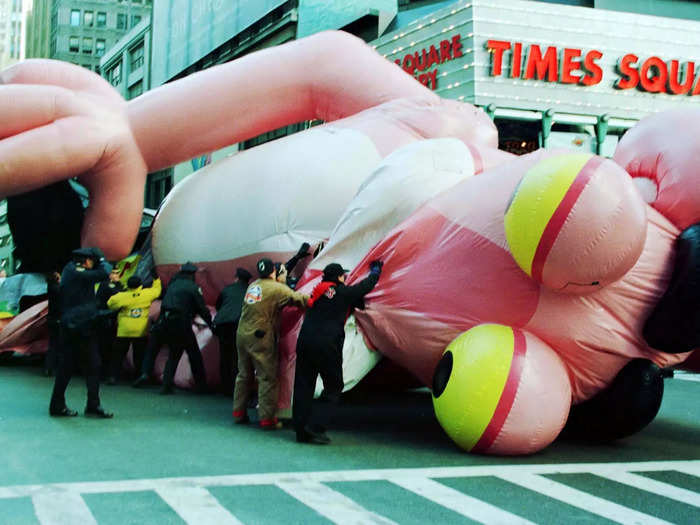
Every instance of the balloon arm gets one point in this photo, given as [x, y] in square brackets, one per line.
[308, 79]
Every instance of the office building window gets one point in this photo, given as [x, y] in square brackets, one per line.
[74, 44]
[121, 21]
[136, 1]
[87, 45]
[136, 55]
[99, 47]
[101, 20]
[75, 17]
[135, 20]
[136, 89]
[87, 18]
[115, 75]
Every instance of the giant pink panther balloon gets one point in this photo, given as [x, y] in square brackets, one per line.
[559, 252]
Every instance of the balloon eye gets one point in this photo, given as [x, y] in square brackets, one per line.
[442, 374]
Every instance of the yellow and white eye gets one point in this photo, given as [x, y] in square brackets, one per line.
[500, 390]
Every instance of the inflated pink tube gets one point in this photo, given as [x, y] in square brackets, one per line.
[241, 99]
[669, 161]
[61, 121]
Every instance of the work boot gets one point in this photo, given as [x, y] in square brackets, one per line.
[270, 424]
[141, 380]
[62, 412]
[98, 412]
[307, 435]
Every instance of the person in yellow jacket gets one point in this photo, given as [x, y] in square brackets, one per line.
[256, 339]
[132, 322]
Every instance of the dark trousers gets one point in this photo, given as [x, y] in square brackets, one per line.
[177, 334]
[106, 335]
[77, 346]
[228, 355]
[121, 347]
[51, 360]
[315, 356]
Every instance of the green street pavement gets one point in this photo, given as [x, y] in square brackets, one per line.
[180, 459]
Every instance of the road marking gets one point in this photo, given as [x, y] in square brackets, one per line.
[331, 504]
[691, 467]
[582, 500]
[197, 506]
[656, 487]
[459, 502]
[686, 376]
[61, 507]
[62, 504]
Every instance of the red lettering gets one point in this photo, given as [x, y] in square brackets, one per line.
[516, 60]
[497, 47]
[626, 68]
[543, 65]
[674, 81]
[397, 62]
[408, 64]
[445, 51]
[433, 79]
[433, 56]
[595, 73]
[657, 68]
[457, 46]
[696, 91]
[422, 64]
[568, 65]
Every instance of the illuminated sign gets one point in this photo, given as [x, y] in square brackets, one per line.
[572, 66]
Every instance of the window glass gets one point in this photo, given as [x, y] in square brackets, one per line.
[74, 44]
[87, 45]
[101, 20]
[75, 17]
[115, 75]
[135, 20]
[87, 18]
[136, 57]
[121, 21]
[136, 89]
[100, 47]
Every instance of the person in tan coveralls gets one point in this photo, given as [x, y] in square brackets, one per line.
[256, 340]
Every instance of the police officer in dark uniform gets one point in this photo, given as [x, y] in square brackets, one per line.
[107, 326]
[182, 301]
[320, 343]
[228, 312]
[79, 316]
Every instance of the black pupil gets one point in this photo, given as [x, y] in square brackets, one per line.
[442, 374]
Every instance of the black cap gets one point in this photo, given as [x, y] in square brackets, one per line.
[265, 267]
[333, 271]
[88, 253]
[243, 275]
[134, 281]
[188, 267]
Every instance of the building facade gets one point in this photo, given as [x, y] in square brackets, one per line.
[11, 32]
[553, 75]
[81, 31]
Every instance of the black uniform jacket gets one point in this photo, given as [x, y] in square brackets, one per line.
[184, 297]
[78, 304]
[230, 302]
[326, 318]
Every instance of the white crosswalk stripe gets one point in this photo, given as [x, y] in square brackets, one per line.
[331, 504]
[197, 506]
[61, 507]
[63, 503]
[452, 499]
[582, 500]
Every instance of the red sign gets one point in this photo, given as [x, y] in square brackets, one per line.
[572, 66]
[415, 63]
